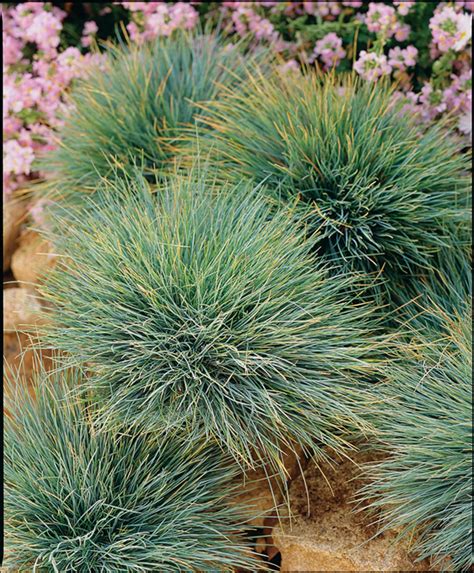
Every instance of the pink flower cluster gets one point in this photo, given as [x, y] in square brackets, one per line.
[245, 20]
[329, 49]
[403, 8]
[457, 97]
[372, 66]
[402, 59]
[322, 8]
[431, 102]
[326, 10]
[152, 19]
[451, 30]
[90, 30]
[33, 91]
[382, 19]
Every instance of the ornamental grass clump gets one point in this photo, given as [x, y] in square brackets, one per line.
[132, 111]
[380, 194]
[447, 287]
[424, 421]
[81, 498]
[194, 305]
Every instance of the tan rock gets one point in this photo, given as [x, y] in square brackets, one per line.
[9, 280]
[20, 310]
[328, 535]
[15, 353]
[20, 319]
[32, 259]
[265, 496]
[21, 361]
[14, 211]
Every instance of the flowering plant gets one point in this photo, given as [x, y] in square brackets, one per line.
[423, 46]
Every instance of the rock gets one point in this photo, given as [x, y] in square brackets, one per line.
[32, 259]
[20, 360]
[265, 496]
[14, 212]
[20, 310]
[15, 353]
[331, 537]
[20, 315]
[9, 280]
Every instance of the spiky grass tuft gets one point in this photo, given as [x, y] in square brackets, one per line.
[424, 487]
[447, 288]
[380, 193]
[132, 112]
[195, 305]
[81, 498]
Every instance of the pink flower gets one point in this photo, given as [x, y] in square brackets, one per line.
[43, 68]
[246, 20]
[401, 32]
[69, 65]
[451, 30]
[372, 66]
[12, 49]
[44, 31]
[291, 66]
[90, 29]
[408, 103]
[432, 102]
[12, 102]
[17, 159]
[11, 126]
[30, 90]
[158, 23]
[403, 7]
[330, 50]
[161, 19]
[460, 4]
[355, 4]
[134, 32]
[324, 9]
[183, 15]
[458, 96]
[402, 59]
[145, 7]
[381, 18]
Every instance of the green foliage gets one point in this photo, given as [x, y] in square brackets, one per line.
[447, 287]
[381, 194]
[424, 421]
[207, 312]
[133, 111]
[81, 498]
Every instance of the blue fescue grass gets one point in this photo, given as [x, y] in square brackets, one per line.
[381, 194]
[81, 498]
[198, 305]
[133, 110]
[446, 287]
[424, 423]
